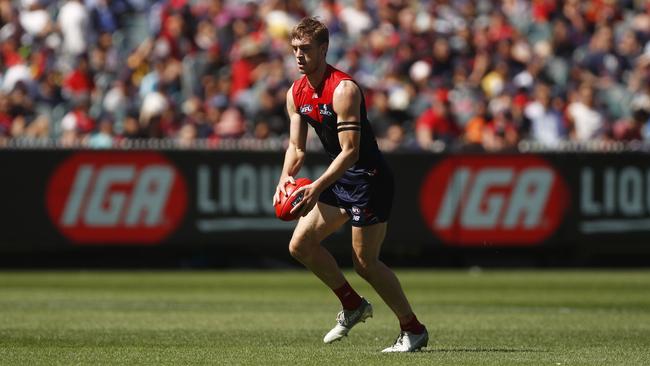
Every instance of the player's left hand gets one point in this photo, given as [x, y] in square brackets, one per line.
[309, 199]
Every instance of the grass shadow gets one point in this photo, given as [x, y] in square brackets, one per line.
[499, 350]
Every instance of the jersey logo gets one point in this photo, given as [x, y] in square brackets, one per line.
[306, 109]
[324, 111]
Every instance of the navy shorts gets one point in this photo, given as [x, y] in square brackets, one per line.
[367, 198]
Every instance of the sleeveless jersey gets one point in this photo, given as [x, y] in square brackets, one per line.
[315, 107]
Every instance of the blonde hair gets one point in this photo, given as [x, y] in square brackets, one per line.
[310, 28]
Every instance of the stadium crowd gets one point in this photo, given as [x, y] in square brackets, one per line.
[478, 75]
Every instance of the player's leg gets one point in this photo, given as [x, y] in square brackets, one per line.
[366, 245]
[305, 245]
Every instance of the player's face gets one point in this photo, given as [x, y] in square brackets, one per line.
[308, 55]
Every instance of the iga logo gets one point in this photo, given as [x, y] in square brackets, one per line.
[503, 200]
[135, 198]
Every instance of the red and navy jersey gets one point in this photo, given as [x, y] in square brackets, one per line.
[315, 107]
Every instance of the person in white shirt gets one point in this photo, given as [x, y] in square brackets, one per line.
[587, 122]
[547, 126]
[74, 22]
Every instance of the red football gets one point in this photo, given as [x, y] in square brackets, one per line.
[283, 208]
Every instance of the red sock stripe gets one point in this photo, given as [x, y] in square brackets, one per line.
[350, 299]
[414, 326]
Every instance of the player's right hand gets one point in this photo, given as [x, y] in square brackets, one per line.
[281, 188]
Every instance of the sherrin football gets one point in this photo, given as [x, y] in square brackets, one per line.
[283, 208]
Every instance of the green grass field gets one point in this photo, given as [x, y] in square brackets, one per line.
[261, 318]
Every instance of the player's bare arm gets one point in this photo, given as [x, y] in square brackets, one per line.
[294, 157]
[347, 105]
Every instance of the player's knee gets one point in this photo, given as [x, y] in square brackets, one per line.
[365, 267]
[299, 249]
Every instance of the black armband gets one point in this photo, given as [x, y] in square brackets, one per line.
[348, 126]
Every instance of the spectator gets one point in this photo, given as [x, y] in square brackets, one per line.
[131, 129]
[154, 105]
[17, 73]
[103, 138]
[186, 136]
[247, 57]
[24, 119]
[78, 83]
[271, 113]
[640, 118]
[394, 138]
[356, 18]
[34, 19]
[436, 123]
[547, 124]
[6, 120]
[500, 134]
[182, 62]
[586, 121]
[103, 17]
[230, 125]
[195, 116]
[380, 115]
[442, 58]
[473, 135]
[78, 121]
[214, 110]
[74, 22]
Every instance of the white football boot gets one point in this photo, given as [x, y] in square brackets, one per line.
[409, 342]
[346, 319]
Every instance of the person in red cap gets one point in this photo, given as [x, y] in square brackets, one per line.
[437, 122]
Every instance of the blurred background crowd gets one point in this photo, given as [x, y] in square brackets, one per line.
[469, 74]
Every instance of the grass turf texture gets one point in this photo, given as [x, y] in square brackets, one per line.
[261, 318]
